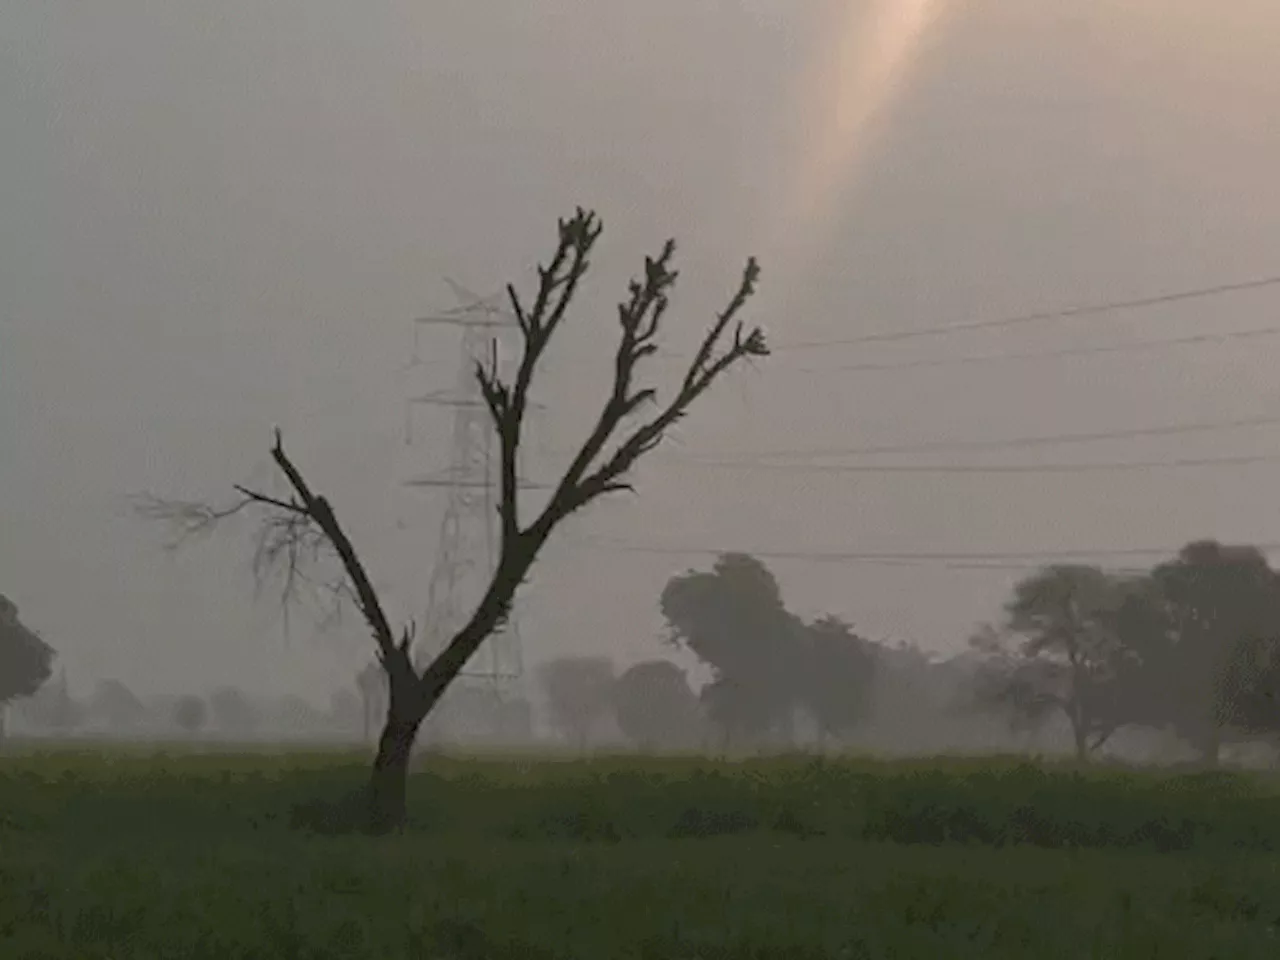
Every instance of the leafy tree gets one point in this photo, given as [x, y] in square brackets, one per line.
[837, 668]
[578, 691]
[1070, 654]
[655, 706]
[733, 619]
[26, 661]
[1074, 657]
[1215, 666]
[116, 705]
[765, 660]
[233, 712]
[190, 714]
[303, 524]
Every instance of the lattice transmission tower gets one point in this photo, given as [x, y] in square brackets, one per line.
[469, 542]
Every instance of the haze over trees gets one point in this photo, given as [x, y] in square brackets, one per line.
[655, 707]
[579, 693]
[190, 713]
[1192, 646]
[630, 423]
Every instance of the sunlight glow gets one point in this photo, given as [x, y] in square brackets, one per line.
[873, 47]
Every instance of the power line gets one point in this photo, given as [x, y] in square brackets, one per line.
[1007, 442]
[1013, 560]
[1084, 310]
[981, 468]
[1198, 339]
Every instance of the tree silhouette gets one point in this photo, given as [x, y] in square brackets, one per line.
[1216, 664]
[117, 705]
[190, 713]
[303, 525]
[655, 707]
[733, 619]
[26, 661]
[766, 661]
[1074, 657]
[578, 691]
[837, 668]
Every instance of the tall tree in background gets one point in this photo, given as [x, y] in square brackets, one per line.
[1073, 656]
[579, 695]
[732, 618]
[26, 661]
[837, 668]
[1216, 666]
[766, 660]
[303, 524]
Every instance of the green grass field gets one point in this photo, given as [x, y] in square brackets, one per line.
[129, 856]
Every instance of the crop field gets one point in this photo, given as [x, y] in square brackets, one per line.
[131, 855]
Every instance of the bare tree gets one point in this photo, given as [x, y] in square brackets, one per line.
[303, 526]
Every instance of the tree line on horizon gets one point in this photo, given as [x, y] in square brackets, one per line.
[1190, 647]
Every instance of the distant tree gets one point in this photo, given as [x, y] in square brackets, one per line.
[116, 705]
[733, 619]
[26, 661]
[578, 691]
[303, 524]
[190, 714]
[1072, 658]
[1075, 657]
[233, 712]
[765, 660]
[1215, 666]
[655, 706]
[837, 668]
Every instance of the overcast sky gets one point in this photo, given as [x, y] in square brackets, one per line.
[219, 217]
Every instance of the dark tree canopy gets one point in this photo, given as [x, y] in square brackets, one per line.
[1215, 663]
[766, 661]
[26, 661]
[1073, 657]
[733, 619]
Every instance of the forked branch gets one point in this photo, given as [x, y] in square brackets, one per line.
[300, 526]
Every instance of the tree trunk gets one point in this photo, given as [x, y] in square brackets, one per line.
[1081, 738]
[389, 781]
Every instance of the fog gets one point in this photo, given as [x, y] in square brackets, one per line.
[222, 217]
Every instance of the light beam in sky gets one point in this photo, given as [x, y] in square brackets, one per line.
[873, 46]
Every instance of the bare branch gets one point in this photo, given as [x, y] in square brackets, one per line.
[557, 285]
[187, 518]
[317, 509]
[650, 299]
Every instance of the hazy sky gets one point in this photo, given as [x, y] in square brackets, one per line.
[220, 217]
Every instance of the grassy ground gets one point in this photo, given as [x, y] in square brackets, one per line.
[131, 856]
